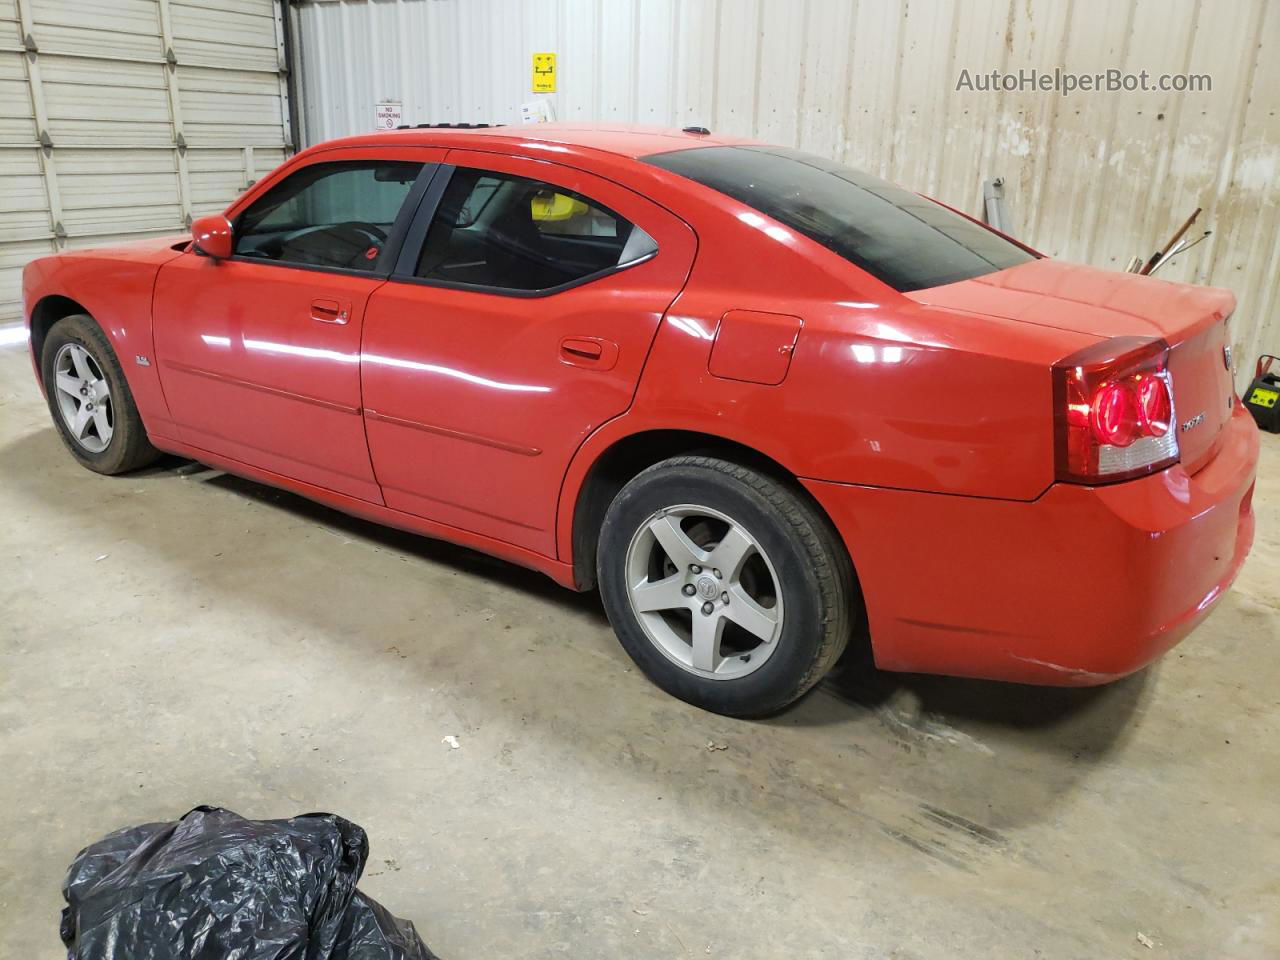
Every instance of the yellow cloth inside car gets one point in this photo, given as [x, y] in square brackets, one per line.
[556, 206]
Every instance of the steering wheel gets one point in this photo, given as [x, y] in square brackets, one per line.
[351, 243]
[372, 229]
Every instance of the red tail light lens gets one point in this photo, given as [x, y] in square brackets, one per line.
[1156, 406]
[1114, 414]
[1114, 411]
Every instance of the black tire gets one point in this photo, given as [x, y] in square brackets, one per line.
[129, 448]
[812, 569]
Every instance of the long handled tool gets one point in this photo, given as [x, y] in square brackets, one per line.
[1164, 251]
[1181, 247]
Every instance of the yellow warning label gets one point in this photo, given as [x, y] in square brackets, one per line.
[544, 73]
[1262, 397]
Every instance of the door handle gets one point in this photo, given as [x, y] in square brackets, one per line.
[330, 311]
[590, 352]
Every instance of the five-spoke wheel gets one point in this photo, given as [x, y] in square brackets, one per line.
[84, 397]
[89, 397]
[725, 584]
[704, 591]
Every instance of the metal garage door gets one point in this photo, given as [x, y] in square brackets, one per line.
[126, 118]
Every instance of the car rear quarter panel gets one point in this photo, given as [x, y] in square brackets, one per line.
[114, 285]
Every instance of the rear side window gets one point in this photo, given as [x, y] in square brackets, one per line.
[504, 232]
[897, 236]
[327, 214]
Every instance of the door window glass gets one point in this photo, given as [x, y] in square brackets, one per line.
[498, 230]
[327, 215]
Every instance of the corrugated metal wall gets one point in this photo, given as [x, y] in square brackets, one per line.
[1096, 177]
[123, 118]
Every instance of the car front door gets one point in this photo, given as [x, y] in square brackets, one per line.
[259, 355]
[517, 326]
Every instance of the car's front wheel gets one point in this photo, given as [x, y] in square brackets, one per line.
[725, 585]
[90, 399]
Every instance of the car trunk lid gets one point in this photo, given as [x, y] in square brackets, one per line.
[1105, 303]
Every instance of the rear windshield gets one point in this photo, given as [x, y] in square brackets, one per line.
[896, 236]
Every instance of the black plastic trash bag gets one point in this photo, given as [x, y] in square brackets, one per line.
[215, 886]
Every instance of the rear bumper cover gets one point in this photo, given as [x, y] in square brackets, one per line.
[1079, 587]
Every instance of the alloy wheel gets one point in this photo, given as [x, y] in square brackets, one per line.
[84, 397]
[704, 592]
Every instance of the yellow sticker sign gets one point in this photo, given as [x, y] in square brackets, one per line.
[1262, 397]
[544, 73]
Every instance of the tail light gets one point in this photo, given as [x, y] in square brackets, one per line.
[1113, 409]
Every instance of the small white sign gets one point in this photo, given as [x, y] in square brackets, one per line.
[538, 111]
[388, 115]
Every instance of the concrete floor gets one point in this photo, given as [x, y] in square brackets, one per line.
[182, 637]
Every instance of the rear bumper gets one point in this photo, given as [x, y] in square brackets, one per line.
[1079, 587]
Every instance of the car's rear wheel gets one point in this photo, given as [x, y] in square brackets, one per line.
[90, 399]
[725, 585]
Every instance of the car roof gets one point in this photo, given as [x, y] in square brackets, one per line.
[624, 141]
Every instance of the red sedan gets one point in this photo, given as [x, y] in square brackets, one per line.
[776, 409]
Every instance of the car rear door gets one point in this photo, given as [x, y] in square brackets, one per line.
[259, 354]
[518, 320]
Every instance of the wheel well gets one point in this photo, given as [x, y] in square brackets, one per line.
[628, 457]
[46, 313]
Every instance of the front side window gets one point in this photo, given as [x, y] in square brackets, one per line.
[327, 215]
[898, 237]
[512, 233]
